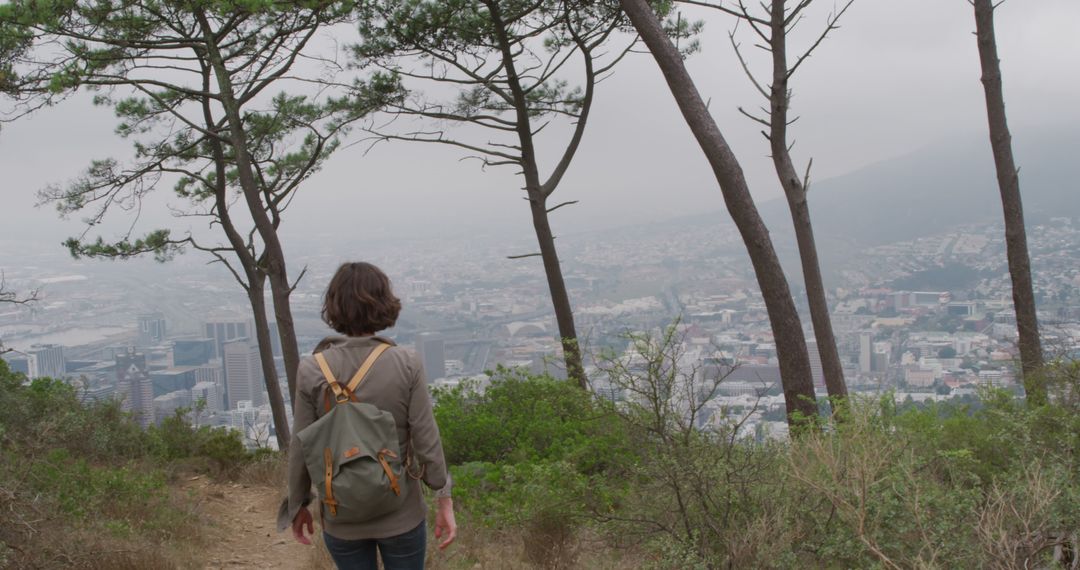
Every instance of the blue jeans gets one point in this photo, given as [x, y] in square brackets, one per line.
[405, 551]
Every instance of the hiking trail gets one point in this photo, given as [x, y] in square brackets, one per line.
[240, 527]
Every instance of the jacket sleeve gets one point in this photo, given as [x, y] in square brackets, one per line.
[426, 443]
[304, 403]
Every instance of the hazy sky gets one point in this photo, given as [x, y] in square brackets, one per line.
[898, 75]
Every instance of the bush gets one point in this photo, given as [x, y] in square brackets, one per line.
[88, 473]
[986, 483]
[176, 439]
[521, 417]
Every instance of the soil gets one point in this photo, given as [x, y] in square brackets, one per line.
[241, 530]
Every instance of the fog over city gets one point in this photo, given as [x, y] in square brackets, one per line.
[895, 78]
[644, 311]
[903, 196]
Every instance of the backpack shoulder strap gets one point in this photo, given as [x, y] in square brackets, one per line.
[366, 367]
[334, 385]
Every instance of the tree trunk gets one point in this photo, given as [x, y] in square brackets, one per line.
[1027, 323]
[275, 257]
[537, 196]
[795, 191]
[254, 285]
[795, 372]
[266, 357]
[564, 315]
[280, 291]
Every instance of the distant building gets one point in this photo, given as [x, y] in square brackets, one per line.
[214, 373]
[18, 365]
[208, 392]
[134, 387]
[866, 354]
[879, 361]
[255, 426]
[151, 329]
[97, 391]
[817, 370]
[761, 375]
[995, 378]
[432, 351]
[962, 308]
[243, 373]
[929, 298]
[45, 361]
[167, 404]
[222, 330]
[193, 351]
[173, 379]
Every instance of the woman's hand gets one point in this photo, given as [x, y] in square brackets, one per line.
[303, 518]
[445, 525]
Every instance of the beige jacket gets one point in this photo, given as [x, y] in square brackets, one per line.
[396, 384]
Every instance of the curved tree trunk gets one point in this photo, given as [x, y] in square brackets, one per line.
[280, 291]
[266, 357]
[795, 191]
[1027, 322]
[537, 195]
[795, 371]
[560, 299]
[275, 266]
[253, 286]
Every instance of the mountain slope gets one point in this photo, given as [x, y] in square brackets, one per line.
[948, 184]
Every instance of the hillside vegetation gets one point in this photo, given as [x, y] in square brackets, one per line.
[83, 486]
[996, 485]
[546, 478]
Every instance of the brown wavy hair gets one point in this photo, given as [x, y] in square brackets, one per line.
[359, 300]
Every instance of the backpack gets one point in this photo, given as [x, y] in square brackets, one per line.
[352, 452]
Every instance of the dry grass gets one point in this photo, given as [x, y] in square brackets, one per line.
[266, 471]
[1015, 526]
[489, 549]
[36, 533]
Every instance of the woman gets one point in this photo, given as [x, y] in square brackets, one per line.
[359, 302]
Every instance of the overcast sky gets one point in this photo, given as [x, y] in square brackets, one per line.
[898, 75]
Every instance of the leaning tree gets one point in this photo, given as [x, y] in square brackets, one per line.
[796, 377]
[190, 85]
[506, 65]
[1008, 176]
[770, 29]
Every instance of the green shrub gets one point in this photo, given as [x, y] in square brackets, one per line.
[520, 417]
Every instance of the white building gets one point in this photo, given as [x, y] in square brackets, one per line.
[243, 373]
[45, 361]
[207, 391]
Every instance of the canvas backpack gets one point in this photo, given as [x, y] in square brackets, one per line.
[352, 452]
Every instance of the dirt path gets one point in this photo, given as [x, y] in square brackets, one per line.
[241, 530]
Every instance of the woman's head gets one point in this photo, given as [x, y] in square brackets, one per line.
[359, 300]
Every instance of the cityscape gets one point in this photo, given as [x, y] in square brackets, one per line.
[925, 319]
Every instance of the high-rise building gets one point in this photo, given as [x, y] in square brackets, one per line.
[879, 361]
[243, 373]
[432, 351]
[134, 387]
[866, 357]
[208, 392]
[817, 371]
[151, 329]
[275, 338]
[173, 379]
[192, 351]
[45, 361]
[224, 329]
[214, 373]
